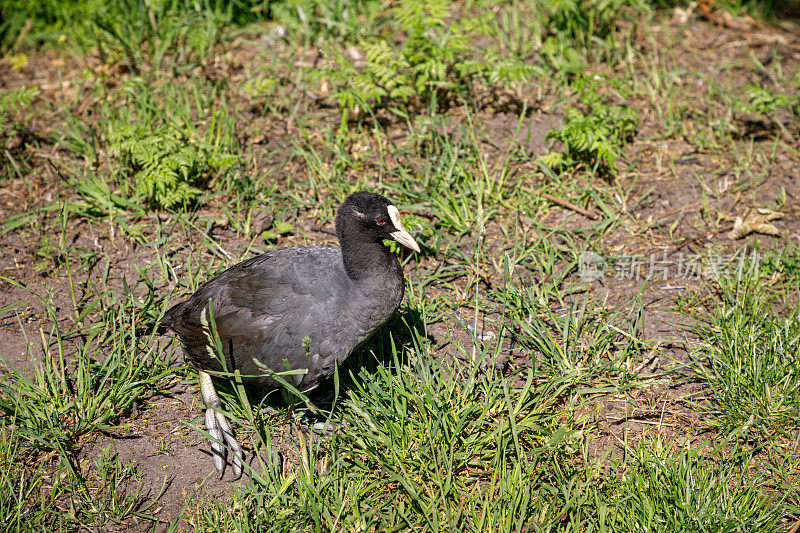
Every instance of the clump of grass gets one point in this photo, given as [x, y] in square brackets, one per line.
[760, 9]
[24, 502]
[74, 391]
[12, 128]
[112, 492]
[455, 180]
[749, 362]
[578, 30]
[583, 340]
[312, 22]
[139, 31]
[764, 105]
[660, 490]
[419, 445]
[87, 373]
[46, 496]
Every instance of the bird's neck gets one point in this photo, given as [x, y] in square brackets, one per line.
[364, 260]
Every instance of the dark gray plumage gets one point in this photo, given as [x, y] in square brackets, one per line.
[269, 307]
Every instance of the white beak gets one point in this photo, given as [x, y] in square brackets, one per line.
[401, 235]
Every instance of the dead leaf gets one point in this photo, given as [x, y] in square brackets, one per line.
[681, 16]
[755, 221]
[722, 17]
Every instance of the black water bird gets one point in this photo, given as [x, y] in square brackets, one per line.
[304, 308]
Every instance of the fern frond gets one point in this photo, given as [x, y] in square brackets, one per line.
[596, 138]
[167, 164]
[18, 98]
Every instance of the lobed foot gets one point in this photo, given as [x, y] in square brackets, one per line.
[220, 429]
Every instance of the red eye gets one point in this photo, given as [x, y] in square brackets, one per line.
[381, 221]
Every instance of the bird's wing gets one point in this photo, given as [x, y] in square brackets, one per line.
[279, 308]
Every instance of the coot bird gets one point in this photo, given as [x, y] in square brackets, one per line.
[304, 308]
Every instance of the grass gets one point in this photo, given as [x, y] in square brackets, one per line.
[72, 393]
[147, 146]
[417, 441]
[683, 491]
[750, 365]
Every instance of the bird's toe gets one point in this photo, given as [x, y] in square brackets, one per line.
[230, 439]
[216, 433]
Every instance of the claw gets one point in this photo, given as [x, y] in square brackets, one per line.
[219, 429]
